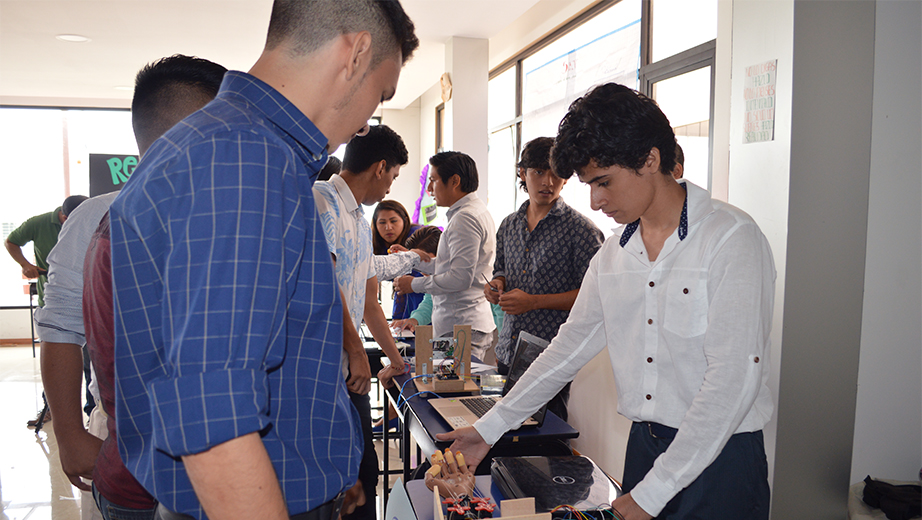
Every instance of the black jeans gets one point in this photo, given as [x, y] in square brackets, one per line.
[368, 470]
[733, 487]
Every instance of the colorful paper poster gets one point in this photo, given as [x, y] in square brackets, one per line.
[759, 95]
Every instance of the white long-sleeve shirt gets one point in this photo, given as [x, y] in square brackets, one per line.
[464, 258]
[688, 337]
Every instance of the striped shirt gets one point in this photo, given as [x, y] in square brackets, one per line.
[228, 317]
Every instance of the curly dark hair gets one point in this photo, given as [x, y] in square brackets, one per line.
[535, 154]
[425, 238]
[379, 245]
[613, 126]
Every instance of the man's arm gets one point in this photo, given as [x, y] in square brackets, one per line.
[62, 376]
[359, 381]
[463, 241]
[518, 301]
[236, 469]
[377, 324]
[28, 270]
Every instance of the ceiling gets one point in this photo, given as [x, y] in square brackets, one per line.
[38, 69]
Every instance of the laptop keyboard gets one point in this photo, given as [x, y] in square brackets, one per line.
[479, 405]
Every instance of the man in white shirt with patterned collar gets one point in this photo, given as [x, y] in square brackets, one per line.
[465, 255]
[682, 298]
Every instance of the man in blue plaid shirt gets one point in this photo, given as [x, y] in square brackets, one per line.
[229, 325]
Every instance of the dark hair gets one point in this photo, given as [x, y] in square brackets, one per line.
[535, 154]
[613, 126]
[331, 168]
[309, 24]
[378, 243]
[168, 90]
[71, 203]
[679, 155]
[449, 164]
[425, 238]
[379, 143]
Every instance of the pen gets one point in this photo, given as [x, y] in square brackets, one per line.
[494, 289]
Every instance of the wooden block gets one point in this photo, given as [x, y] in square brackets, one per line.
[518, 507]
[437, 504]
[470, 387]
[423, 349]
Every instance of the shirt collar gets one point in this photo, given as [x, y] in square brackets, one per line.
[557, 210]
[350, 205]
[460, 203]
[278, 109]
[54, 216]
[683, 223]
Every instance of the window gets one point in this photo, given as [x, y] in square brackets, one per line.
[663, 48]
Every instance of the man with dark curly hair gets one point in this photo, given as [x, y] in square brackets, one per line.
[681, 296]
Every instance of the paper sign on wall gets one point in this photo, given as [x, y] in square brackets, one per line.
[759, 94]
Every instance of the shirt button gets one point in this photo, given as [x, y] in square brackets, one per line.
[523, 271]
[756, 359]
[649, 397]
[652, 284]
[685, 291]
[650, 321]
[650, 360]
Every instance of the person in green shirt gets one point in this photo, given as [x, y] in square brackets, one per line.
[42, 230]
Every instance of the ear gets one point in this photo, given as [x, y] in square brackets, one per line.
[455, 182]
[360, 52]
[652, 163]
[522, 174]
[380, 167]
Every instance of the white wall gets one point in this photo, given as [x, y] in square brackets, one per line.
[759, 172]
[406, 123]
[888, 414]
[15, 324]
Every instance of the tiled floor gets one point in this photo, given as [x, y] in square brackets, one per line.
[32, 484]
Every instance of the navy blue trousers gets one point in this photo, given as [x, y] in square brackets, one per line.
[733, 487]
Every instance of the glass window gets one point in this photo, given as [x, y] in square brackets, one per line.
[603, 49]
[679, 25]
[502, 180]
[44, 154]
[501, 100]
[686, 101]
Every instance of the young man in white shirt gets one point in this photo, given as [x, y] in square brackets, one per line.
[370, 165]
[682, 297]
[465, 255]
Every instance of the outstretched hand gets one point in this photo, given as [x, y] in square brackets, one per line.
[467, 440]
[450, 474]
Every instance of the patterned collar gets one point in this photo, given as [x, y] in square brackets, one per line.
[556, 210]
[683, 222]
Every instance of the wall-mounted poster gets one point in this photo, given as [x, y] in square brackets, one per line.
[110, 172]
[759, 93]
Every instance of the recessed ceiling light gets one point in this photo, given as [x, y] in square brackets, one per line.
[74, 38]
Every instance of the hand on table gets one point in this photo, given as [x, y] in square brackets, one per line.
[386, 374]
[407, 324]
[451, 475]
[467, 440]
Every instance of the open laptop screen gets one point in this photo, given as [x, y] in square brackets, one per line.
[527, 348]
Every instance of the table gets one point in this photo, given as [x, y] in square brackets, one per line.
[418, 419]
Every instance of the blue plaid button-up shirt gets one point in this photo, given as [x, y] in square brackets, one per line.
[228, 317]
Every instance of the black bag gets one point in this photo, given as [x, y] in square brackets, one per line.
[897, 502]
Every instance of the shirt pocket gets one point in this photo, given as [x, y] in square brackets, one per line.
[686, 306]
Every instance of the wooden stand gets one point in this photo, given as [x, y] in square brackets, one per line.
[462, 361]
